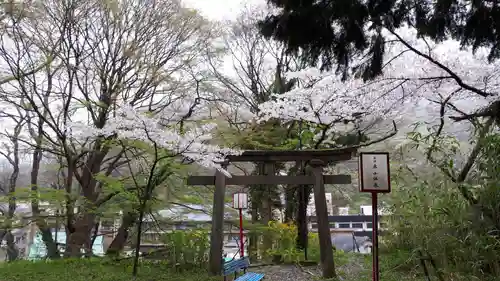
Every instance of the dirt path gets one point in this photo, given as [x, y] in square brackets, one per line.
[347, 272]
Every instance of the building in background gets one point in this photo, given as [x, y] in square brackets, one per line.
[367, 210]
[311, 208]
[30, 245]
[38, 250]
[343, 211]
[28, 239]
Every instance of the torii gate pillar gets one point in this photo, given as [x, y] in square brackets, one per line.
[324, 235]
[217, 231]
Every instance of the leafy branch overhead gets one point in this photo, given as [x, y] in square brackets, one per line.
[333, 32]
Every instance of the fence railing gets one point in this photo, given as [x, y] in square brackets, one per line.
[360, 225]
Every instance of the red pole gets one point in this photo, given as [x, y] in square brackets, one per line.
[242, 249]
[375, 237]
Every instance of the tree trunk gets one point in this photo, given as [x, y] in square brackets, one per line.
[12, 251]
[52, 252]
[217, 230]
[267, 206]
[290, 203]
[48, 240]
[265, 212]
[253, 239]
[38, 134]
[304, 193]
[81, 229]
[120, 240]
[255, 211]
[291, 196]
[80, 238]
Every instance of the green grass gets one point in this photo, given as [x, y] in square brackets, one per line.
[350, 267]
[94, 269]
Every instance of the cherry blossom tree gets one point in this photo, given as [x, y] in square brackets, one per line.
[422, 81]
[170, 140]
[165, 130]
[417, 75]
[250, 73]
[108, 60]
[258, 89]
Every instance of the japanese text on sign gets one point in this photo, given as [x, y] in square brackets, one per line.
[240, 200]
[374, 172]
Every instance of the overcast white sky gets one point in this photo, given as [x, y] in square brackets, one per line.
[220, 9]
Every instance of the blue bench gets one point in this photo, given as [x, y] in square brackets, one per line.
[237, 265]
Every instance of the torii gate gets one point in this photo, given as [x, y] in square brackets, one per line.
[317, 159]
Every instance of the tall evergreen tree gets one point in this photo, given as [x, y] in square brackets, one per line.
[330, 32]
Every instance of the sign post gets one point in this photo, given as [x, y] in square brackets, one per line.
[374, 177]
[240, 202]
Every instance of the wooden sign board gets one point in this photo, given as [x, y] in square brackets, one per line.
[374, 173]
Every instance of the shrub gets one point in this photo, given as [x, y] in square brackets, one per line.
[187, 246]
[284, 237]
[432, 219]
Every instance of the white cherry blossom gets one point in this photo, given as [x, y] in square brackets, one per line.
[193, 143]
[407, 81]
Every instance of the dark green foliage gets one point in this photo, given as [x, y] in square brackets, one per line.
[94, 269]
[330, 32]
[351, 139]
